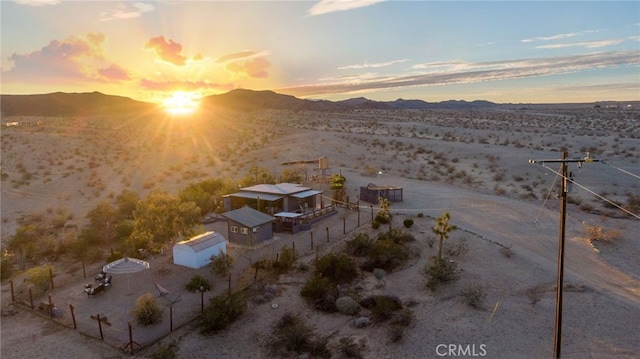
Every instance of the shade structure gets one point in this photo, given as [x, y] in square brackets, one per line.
[126, 266]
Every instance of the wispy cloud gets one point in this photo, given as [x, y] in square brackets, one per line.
[558, 36]
[367, 65]
[586, 44]
[255, 68]
[123, 11]
[240, 55]
[476, 72]
[38, 2]
[328, 6]
[169, 51]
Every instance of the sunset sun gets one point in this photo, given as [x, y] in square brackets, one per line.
[181, 103]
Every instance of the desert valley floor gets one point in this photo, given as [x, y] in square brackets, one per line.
[473, 164]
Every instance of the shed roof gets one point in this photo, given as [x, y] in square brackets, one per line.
[203, 241]
[305, 194]
[248, 216]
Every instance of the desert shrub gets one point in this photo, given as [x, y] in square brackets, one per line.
[395, 333]
[396, 236]
[198, 283]
[507, 252]
[457, 249]
[39, 277]
[408, 222]
[473, 296]
[222, 311]
[114, 256]
[168, 351]
[337, 267]
[382, 306]
[382, 217]
[348, 348]
[221, 263]
[375, 224]
[6, 268]
[420, 215]
[359, 245]
[387, 254]
[403, 317]
[147, 312]
[440, 271]
[291, 335]
[379, 273]
[318, 287]
[286, 259]
[347, 305]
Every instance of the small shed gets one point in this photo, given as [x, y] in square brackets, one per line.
[248, 226]
[371, 193]
[196, 252]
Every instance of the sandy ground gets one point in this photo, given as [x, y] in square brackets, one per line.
[475, 168]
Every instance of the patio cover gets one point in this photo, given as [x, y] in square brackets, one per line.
[305, 194]
[288, 215]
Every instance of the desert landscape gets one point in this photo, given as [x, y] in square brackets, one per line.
[472, 162]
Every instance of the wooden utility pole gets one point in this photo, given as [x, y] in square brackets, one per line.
[557, 342]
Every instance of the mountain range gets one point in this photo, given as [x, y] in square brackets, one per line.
[96, 103]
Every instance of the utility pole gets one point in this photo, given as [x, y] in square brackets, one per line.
[557, 342]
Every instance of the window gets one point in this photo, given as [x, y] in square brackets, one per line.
[234, 229]
[244, 230]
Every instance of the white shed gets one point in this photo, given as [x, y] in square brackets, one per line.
[196, 252]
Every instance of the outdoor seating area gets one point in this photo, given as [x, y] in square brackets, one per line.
[103, 281]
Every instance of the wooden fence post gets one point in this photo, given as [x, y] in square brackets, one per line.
[73, 316]
[100, 328]
[51, 277]
[327, 234]
[13, 296]
[50, 307]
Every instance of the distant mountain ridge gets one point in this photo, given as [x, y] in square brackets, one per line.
[71, 104]
[96, 103]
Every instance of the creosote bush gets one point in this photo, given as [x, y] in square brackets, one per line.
[291, 335]
[347, 305]
[337, 267]
[473, 296]
[147, 311]
[408, 222]
[440, 271]
[198, 283]
[222, 311]
[221, 263]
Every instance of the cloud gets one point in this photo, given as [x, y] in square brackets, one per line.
[240, 55]
[74, 58]
[169, 51]
[587, 44]
[328, 6]
[125, 11]
[475, 72]
[38, 2]
[559, 36]
[114, 73]
[256, 68]
[367, 65]
[183, 85]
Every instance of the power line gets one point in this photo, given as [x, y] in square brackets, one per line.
[621, 170]
[595, 194]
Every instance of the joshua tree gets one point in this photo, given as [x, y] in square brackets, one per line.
[442, 229]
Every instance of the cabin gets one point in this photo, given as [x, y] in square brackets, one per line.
[196, 252]
[248, 226]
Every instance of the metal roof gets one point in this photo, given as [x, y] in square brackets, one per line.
[255, 195]
[203, 241]
[305, 194]
[280, 188]
[248, 217]
[288, 214]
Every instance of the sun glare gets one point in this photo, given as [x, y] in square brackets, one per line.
[181, 103]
